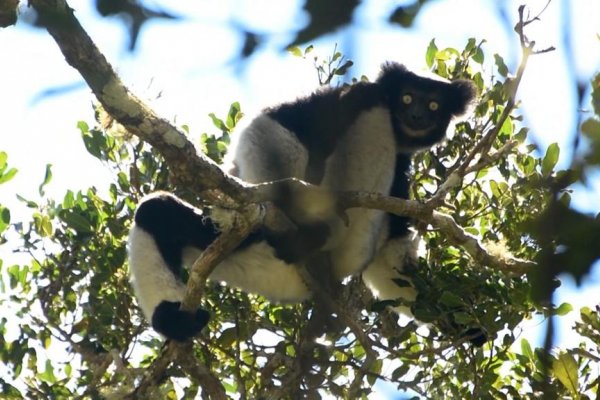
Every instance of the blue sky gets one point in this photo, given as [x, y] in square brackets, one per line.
[191, 65]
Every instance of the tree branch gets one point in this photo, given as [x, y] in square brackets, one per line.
[190, 168]
[438, 220]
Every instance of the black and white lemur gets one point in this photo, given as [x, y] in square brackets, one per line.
[357, 138]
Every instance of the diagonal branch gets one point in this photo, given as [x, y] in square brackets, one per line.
[484, 145]
[453, 232]
[191, 169]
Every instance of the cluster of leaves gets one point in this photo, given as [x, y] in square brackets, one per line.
[215, 145]
[492, 204]
[74, 295]
[327, 68]
[573, 370]
[75, 290]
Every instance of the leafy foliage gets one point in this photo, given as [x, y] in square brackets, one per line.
[73, 295]
[216, 146]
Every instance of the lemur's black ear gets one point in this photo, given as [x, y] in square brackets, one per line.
[462, 92]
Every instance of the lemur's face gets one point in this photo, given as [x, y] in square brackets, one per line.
[420, 113]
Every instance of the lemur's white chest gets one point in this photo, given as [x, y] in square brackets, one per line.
[363, 161]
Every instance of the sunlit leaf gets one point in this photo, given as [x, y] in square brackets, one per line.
[47, 179]
[565, 369]
[295, 51]
[430, 53]
[4, 218]
[526, 349]
[217, 122]
[502, 68]
[550, 159]
[478, 57]
[563, 309]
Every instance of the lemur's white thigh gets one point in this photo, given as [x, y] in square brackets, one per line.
[388, 264]
[151, 278]
[255, 269]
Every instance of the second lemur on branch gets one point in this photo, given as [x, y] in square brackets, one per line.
[357, 138]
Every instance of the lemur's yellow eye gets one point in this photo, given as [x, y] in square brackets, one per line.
[407, 99]
[433, 105]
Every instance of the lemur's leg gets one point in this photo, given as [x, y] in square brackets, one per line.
[164, 228]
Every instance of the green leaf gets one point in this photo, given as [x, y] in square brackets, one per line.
[13, 273]
[565, 199]
[563, 309]
[5, 177]
[123, 180]
[217, 122]
[507, 127]
[83, 127]
[521, 135]
[228, 337]
[451, 300]
[565, 369]
[8, 175]
[68, 200]
[48, 374]
[591, 128]
[400, 372]
[425, 314]
[341, 70]
[502, 68]
[47, 179]
[4, 218]
[495, 189]
[550, 159]
[463, 318]
[76, 221]
[295, 51]
[471, 43]
[478, 57]
[430, 54]
[234, 115]
[526, 349]
[472, 230]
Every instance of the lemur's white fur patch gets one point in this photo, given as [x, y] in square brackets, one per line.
[152, 280]
[388, 265]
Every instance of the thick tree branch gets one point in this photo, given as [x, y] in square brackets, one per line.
[443, 222]
[220, 248]
[190, 169]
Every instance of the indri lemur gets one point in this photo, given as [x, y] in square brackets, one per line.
[357, 138]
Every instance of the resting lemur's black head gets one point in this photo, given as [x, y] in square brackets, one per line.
[421, 108]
